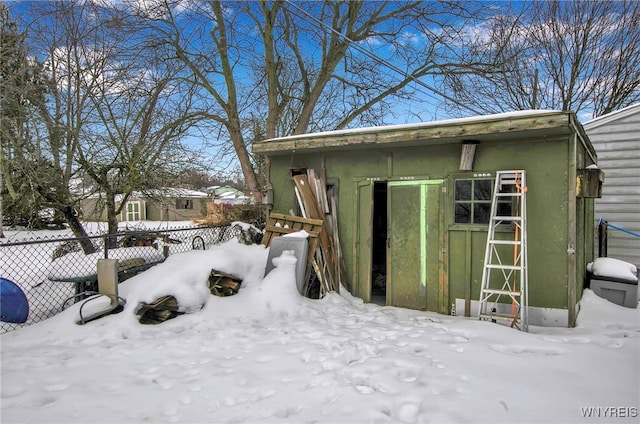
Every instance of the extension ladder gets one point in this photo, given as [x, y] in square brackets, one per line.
[504, 277]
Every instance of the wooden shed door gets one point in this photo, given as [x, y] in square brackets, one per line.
[363, 236]
[413, 248]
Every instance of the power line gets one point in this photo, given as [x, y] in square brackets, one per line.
[378, 59]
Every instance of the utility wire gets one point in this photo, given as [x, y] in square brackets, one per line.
[367, 53]
[371, 55]
[378, 59]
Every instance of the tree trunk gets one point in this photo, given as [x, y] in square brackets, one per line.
[78, 230]
[112, 221]
[245, 164]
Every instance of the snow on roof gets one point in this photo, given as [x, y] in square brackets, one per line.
[182, 192]
[225, 189]
[618, 114]
[167, 192]
[233, 195]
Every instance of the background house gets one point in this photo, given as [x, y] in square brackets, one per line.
[409, 216]
[228, 195]
[167, 204]
[616, 138]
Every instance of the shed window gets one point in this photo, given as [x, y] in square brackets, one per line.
[184, 204]
[472, 201]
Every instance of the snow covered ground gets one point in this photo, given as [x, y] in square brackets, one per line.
[269, 355]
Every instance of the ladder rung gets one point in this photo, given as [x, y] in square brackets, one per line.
[496, 266]
[516, 194]
[509, 242]
[502, 292]
[500, 316]
[510, 174]
[507, 218]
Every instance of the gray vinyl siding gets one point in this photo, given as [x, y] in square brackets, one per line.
[616, 138]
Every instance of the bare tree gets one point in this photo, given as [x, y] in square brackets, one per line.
[21, 88]
[582, 56]
[114, 112]
[136, 134]
[274, 68]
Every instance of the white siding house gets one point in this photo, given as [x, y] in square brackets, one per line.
[616, 138]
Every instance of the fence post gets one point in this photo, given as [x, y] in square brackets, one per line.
[602, 239]
[107, 270]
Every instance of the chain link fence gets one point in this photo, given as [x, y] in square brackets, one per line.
[51, 271]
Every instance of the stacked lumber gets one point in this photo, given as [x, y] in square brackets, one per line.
[316, 203]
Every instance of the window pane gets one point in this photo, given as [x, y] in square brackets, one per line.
[463, 190]
[481, 212]
[463, 213]
[482, 189]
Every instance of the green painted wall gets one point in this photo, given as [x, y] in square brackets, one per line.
[547, 164]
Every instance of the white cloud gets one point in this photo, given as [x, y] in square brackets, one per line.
[409, 38]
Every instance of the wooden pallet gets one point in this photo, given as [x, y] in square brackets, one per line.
[279, 225]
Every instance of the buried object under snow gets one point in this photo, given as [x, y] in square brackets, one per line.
[160, 310]
[223, 284]
[614, 280]
[166, 307]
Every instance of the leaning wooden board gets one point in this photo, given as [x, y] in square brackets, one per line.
[313, 210]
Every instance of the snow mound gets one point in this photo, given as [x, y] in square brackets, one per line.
[596, 312]
[276, 290]
[613, 268]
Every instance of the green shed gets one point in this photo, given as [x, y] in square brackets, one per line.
[413, 206]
